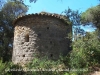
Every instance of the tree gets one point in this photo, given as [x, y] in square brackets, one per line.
[86, 52]
[24, 0]
[92, 15]
[2, 2]
[33, 1]
[14, 9]
[9, 12]
[75, 19]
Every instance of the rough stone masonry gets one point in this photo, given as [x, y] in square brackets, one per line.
[39, 35]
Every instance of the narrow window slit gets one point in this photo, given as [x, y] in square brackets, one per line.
[27, 38]
[51, 55]
[50, 42]
[47, 27]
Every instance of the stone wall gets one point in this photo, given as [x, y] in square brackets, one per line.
[40, 35]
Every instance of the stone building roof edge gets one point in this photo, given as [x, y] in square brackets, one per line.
[58, 16]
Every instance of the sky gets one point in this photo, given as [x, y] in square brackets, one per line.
[58, 6]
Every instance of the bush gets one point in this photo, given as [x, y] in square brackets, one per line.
[85, 53]
[45, 66]
[4, 67]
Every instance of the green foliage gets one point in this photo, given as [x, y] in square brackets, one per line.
[14, 9]
[15, 70]
[85, 53]
[8, 68]
[93, 44]
[46, 66]
[6, 34]
[92, 15]
[8, 13]
[74, 16]
[24, 0]
[45, 63]
[4, 67]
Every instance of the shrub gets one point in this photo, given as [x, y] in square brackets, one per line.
[4, 67]
[85, 53]
[45, 66]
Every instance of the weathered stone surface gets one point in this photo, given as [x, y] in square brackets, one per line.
[40, 34]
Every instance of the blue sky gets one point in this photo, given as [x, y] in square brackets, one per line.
[57, 6]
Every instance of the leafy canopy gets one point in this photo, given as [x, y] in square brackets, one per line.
[92, 15]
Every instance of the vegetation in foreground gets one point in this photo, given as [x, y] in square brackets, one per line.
[80, 61]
